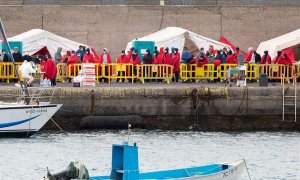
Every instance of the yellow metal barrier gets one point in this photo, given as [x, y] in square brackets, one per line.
[119, 71]
[275, 71]
[224, 70]
[62, 70]
[73, 70]
[193, 72]
[252, 71]
[156, 72]
[7, 71]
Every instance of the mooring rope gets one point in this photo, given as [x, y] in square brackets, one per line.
[247, 169]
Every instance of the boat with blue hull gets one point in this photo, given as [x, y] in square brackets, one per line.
[125, 167]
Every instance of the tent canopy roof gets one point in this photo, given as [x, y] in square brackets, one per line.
[36, 39]
[280, 43]
[178, 37]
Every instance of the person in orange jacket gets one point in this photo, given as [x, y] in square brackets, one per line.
[88, 57]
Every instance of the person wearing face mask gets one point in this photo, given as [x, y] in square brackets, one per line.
[176, 62]
[278, 57]
[135, 60]
[147, 60]
[88, 57]
[72, 59]
[156, 60]
[266, 59]
[105, 59]
[166, 58]
[122, 59]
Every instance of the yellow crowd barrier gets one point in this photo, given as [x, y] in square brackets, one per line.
[275, 71]
[61, 73]
[156, 72]
[164, 72]
[120, 72]
[193, 72]
[224, 71]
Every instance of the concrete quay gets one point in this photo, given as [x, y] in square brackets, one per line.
[177, 106]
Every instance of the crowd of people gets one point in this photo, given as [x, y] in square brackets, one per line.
[161, 56]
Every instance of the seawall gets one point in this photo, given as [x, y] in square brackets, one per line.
[113, 26]
[193, 107]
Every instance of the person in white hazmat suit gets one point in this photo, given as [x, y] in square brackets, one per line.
[26, 70]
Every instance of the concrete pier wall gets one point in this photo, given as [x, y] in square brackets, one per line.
[197, 108]
[114, 26]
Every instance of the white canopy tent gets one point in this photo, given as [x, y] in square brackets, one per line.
[37, 39]
[286, 41]
[179, 38]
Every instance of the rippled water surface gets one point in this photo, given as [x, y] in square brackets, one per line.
[269, 155]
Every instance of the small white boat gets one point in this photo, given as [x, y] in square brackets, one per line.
[23, 120]
[29, 114]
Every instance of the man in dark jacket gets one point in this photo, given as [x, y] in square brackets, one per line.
[17, 55]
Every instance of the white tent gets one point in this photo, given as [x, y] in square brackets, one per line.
[290, 40]
[37, 39]
[179, 38]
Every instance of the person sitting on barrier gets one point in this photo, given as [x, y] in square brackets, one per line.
[26, 71]
[176, 63]
[135, 60]
[72, 59]
[266, 59]
[57, 56]
[186, 56]
[17, 55]
[88, 57]
[122, 59]
[51, 70]
[230, 58]
[278, 57]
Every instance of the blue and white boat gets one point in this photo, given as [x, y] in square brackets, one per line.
[125, 167]
[29, 113]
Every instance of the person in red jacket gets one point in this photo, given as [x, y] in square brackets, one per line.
[230, 59]
[278, 57]
[122, 59]
[285, 60]
[166, 58]
[88, 57]
[135, 60]
[176, 62]
[266, 59]
[72, 59]
[51, 71]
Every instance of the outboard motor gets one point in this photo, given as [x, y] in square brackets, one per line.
[75, 170]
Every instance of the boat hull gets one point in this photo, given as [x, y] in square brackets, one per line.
[233, 172]
[24, 120]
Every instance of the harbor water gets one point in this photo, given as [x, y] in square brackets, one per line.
[269, 155]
